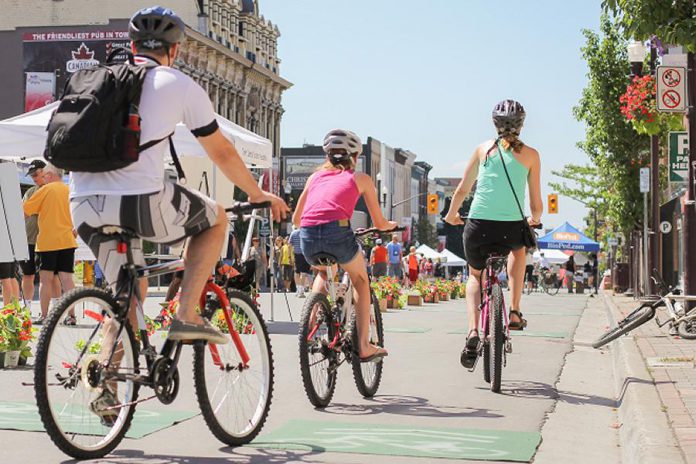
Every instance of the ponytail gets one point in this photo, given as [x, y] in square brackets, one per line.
[513, 141]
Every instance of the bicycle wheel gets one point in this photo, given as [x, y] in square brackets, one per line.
[637, 318]
[552, 288]
[496, 338]
[234, 395]
[84, 408]
[687, 330]
[368, 375]
[317, 361]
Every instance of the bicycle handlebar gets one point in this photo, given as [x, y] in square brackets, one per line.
[241, 207]
[370, 230]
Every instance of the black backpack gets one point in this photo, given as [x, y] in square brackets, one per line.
[96, 127]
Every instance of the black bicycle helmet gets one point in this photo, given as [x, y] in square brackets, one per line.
[155, 27]
[508, 117]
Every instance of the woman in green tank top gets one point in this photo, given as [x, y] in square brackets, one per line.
[494, 218]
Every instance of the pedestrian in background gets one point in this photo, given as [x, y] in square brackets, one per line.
[302, 268]
[570, 273]
[379, 259]
[31, 224]
[55, 242]
[259, 257]
[8, 280]
[287, 263]
[395, 252]
[413, 265]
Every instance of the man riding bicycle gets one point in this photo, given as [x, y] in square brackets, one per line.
[138, 198]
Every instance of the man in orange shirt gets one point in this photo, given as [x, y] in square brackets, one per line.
[378, 259]
[55, 244]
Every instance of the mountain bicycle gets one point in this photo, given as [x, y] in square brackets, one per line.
[328, 337]
[680, 320]
[87, 389]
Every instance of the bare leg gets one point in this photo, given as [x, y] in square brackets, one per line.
[45, 290]
[10, 290]
[28, 286]
[358, 276]
[516, 265]
[202, 253]
[67, 284]
[56, 286]
[173, 288]
[473, 297]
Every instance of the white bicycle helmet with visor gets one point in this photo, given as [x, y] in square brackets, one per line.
[154, 28]
[508, 117]
[344, 140]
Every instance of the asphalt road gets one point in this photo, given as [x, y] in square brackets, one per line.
[425, 396]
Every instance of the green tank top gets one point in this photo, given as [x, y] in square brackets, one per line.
[493, 199]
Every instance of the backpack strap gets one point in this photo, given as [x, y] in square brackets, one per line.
[175, 158]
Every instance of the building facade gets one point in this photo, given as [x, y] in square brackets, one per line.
[229, 49]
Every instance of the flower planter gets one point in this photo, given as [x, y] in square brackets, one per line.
[393, 304]
[11, 359]
[454, 296]
[444, 297]
[382, 305]
[415, 300]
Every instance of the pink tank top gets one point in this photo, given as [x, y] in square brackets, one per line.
[331, 196]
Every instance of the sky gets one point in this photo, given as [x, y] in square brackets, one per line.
[425, 75]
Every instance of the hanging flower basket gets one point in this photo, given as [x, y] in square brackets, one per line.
[639, 107]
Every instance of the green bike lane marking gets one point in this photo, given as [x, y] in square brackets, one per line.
[402, 440]
[525, 333]
[25, 417]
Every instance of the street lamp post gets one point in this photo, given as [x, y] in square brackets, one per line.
[690, 209]
[636, 55]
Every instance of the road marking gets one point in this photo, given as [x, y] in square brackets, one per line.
[382, 439]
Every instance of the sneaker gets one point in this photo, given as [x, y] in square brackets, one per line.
[106, 407]
[69, 320]
[301, 295]
[180, 330]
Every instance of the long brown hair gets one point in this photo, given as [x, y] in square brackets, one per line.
[507, 141]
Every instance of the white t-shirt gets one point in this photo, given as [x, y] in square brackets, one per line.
[168, 97]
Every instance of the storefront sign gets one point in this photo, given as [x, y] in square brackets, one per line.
[40, 90]
[678, 156]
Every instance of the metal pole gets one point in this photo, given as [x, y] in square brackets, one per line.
[654, 256]
[689, 209]
[646, 264]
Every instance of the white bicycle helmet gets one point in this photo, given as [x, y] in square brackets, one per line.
[342, 139]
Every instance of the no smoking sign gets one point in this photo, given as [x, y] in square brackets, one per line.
[671, 89]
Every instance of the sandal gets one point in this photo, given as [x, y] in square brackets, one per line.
[376, 356]
[516, 325]
[470, 351]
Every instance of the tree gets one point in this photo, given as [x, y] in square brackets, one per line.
[616, 150]
[425, 232]
[587, 187]
[672, 21]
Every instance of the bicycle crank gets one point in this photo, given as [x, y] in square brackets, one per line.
[166, 385]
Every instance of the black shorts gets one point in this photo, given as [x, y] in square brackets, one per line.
[483, 237]
[301, 264]
[8, 270]
[529, 272]
[29, 266]
[58, 260]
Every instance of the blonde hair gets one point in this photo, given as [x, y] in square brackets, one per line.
[513, 141]
[343, 165]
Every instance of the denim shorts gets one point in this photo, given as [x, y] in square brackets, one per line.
[330, 238]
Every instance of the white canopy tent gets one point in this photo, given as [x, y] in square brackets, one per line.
[450, 259]
[551, 256]
[24, 137]
[427, 252]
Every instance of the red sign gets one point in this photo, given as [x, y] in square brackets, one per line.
[671, 99]
[671, 78]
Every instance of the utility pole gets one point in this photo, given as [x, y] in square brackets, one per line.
[654, 257]
[690, 209]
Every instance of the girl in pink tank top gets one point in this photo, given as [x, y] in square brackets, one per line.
[323, 212]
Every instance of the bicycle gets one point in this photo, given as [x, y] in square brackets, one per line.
[328, 337]
[543, 280]
[87, 391]
[672, 300]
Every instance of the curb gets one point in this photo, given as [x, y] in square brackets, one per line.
[645, 433]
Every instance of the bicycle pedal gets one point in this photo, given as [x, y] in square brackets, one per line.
[508, 346]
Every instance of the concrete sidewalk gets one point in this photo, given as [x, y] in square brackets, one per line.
[669, 363]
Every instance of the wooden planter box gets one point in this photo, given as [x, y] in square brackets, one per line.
[415, 300]
[444, 297]
[382, 306]
[393, 304]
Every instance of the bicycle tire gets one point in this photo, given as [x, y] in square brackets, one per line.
[638, 317]
[319, 394]
[497, 335]
[552, 289]
[244, 427]
[62, 432]
[368, 375]
[687, 330]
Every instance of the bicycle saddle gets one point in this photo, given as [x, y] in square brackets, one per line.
[117, 230]
[324, 259]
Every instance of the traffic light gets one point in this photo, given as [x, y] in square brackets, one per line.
[432, 203]
[553, 203]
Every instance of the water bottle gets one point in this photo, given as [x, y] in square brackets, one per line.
[131, 136]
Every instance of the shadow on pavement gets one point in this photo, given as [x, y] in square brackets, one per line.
[531, 390]
[235, 455]
[283, 327]
[408, 406]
